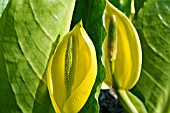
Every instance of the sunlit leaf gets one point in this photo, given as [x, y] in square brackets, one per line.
[153, 25]
[3, 4]
[28, 29]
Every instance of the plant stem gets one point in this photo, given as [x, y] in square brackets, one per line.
[126, 102]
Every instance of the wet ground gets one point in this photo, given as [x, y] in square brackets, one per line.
[109, 102]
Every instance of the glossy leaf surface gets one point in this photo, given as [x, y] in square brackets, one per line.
[28, 29]
[153, 25]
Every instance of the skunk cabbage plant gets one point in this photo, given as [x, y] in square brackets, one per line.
[123, 54]
[72, 71]
[50, 62]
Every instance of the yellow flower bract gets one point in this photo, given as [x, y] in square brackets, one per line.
[80, 76]
[126, 68]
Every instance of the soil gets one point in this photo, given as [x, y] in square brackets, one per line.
[109, 103]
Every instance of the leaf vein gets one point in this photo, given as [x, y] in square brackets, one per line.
[152, 79]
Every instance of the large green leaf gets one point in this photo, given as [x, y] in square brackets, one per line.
[28, 29]
[3, 4]
[153, 25]
[91, 11]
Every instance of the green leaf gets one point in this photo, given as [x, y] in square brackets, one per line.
[123, 5]
[138, 5]
[153, 25]
[91, 11]
[3, 4]
[130, 102]
[137, 102]
[28, 29]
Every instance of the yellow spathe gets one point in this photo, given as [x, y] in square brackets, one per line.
[72, 71]
[125, 69]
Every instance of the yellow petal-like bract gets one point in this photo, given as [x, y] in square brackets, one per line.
[126, 67]
[72, 71]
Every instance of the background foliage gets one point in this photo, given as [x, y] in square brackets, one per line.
[153, 25]
[28, 29]
[3, 4]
